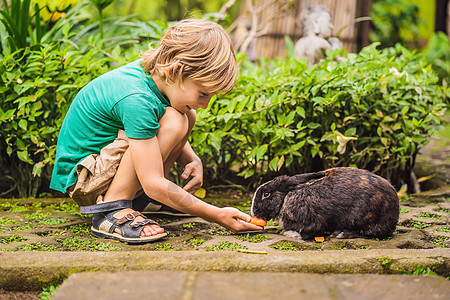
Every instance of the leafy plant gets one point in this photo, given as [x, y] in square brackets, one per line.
[48, 291]
[374, 110]
[18, 33]
[37, 88]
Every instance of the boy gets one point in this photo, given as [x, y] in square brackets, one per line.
[125, 129]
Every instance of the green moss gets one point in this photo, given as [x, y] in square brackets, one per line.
[80, 244]
[5, 221]
[37, 247]
[188, 225]
[25, 226]
[80, 229]
[404, 210]
[63, 207]
[443, 229]
[81, 216]
[415, 224]
[37, 215]
[285, 246]
[443, 210]
[12, 239]
[346, 245]
[253, 238]
[54, 221]
[440, 241]
[429, 216]
[385, 262]
[225, 246]
[17, 208]
[194, 242]
[165, 247]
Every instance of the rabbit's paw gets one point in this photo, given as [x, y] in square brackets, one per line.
[291, 233]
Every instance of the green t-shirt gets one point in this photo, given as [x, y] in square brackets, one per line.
[125, 98]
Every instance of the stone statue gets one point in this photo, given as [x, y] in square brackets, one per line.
[317, 30]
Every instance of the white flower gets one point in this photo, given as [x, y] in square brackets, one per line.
[396, 73]
[343, 140]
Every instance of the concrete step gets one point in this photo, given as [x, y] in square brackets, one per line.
[249, 285]
[27, 271]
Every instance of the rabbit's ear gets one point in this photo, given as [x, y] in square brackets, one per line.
[293, 181]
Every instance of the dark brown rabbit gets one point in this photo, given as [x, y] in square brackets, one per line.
[343, 202]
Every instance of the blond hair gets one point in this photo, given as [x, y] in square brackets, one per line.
[194, 49]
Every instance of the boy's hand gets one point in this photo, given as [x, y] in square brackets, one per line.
[194, 169]
[231, 218]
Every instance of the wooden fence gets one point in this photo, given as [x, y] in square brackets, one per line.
[276, 19]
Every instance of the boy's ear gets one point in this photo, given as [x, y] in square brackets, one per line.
[173, 69]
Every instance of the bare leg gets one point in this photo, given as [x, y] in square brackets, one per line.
[172, 136]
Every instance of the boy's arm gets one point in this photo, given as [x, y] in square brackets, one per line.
[147, 162]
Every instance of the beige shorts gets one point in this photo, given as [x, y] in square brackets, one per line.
[96, 172]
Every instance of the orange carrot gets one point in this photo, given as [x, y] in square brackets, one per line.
[259, 222]
[319, 239]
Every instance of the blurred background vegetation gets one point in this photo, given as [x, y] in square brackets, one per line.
[387, 96]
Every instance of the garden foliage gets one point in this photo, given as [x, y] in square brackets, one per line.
[36, 90]
[373, 110]
[42, 72]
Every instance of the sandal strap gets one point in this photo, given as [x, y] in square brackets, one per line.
[128, 217]
[105, 207]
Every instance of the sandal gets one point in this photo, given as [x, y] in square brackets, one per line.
[104, 224]
[147, 205]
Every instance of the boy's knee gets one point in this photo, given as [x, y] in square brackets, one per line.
[175, 122]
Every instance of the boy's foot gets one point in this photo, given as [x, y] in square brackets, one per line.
[148, 230]
[117, 220]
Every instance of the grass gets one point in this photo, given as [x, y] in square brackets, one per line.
[440, 241]
[37, 215]
[80, 229]
[225, 246]
[404, 210]
[443, 229]
[415, 224]
[5, 221]
[48, 291]
[253, 238]
[37, 247]
[285, 246]
[385, 262]
[54, 221]
[429, 216]
[345, 245]
[165, 247]
[77, 243]
[443, 210]
[194, 242]
[25, 226]
[420, 270]
[12, 239]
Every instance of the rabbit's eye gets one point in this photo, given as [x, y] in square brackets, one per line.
[266, 194]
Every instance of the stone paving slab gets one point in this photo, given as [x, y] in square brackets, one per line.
[247, 285]
[32, 270]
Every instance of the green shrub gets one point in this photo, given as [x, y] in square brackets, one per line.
[36, 90]
[285, 118]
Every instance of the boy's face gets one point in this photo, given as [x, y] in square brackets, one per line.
[191, 95]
